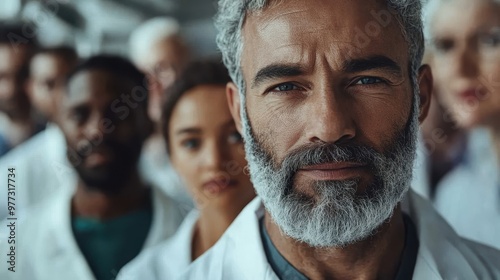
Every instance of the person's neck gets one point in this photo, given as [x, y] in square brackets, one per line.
[91, 203]
[211, 224]
[377, 257]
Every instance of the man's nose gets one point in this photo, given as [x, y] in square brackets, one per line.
[92, 130]
[330, 118]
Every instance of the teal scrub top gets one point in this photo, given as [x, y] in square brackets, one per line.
[108, 245]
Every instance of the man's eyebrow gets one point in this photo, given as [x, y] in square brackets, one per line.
[370, 63]
[276, 71]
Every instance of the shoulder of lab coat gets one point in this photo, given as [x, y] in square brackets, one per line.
[41, 168]
[166, 260]
[46, 247]
[442, 254]
[469, 196]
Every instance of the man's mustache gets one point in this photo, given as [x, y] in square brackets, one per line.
[314, 154]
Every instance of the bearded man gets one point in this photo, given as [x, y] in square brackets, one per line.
[328, 95]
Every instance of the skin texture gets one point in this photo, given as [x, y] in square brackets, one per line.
[320, 100]
[205, 145]
[108, 146]
[466, 47]
[47, 73]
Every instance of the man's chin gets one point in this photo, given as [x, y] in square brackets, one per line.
[317, 189]
[101, 179]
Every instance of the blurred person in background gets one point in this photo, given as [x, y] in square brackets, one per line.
[48, 69]
[41, 160]
[158, 49]
[101, 221]
[206, 149]
[441, 146]
[465, 41]
[16, 122]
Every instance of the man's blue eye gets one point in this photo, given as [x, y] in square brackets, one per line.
[285, 87]
[368, 81]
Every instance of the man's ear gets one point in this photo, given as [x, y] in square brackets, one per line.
[233, 100]
[426, 85]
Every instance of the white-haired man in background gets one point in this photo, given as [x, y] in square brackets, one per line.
[158, 49]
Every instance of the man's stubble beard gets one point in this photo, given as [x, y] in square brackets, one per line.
[337, 215]
[112, 178]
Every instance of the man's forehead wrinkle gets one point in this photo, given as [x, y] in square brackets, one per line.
[290, 44]
[270, 17]
[322, 30]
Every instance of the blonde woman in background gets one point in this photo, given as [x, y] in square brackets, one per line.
[464, 37]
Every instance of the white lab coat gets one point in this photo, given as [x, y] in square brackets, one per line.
[468, 197]
[47, 249]
[442, 253]
[167, 260]
[41, 168]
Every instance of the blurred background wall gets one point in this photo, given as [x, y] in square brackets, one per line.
[104, 26]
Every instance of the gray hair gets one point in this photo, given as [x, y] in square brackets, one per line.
[149, 33]
[232, 13]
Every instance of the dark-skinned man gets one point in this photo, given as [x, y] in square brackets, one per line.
[107, 216]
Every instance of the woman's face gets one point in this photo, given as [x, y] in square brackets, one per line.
[466, 49]
[207, 150]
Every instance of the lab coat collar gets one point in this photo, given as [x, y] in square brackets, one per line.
[65, 253]
[442, 253]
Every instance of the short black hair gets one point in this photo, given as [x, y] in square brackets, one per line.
[197, 73]
[17, 33]
[117, 66]
[68, 54]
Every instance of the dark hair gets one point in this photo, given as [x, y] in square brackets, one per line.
[14, 34]
[197, 73]
[115, 65]
[68, 54]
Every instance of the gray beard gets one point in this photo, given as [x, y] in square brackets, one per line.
[336, 216]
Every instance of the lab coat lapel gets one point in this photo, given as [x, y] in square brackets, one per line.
[244, 246]
[62, 258]
[442, 253]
